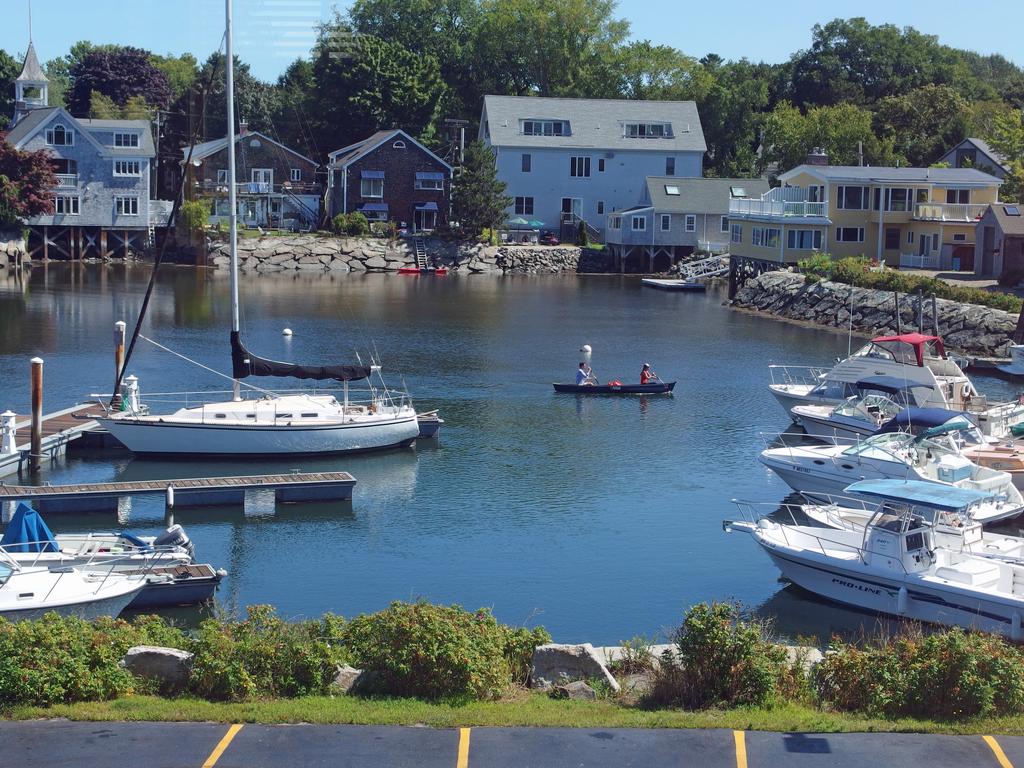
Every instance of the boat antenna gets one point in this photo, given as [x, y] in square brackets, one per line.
[229, 65]
[179, 195]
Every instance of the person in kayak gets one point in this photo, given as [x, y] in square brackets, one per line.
[647, 375]
[584, 375]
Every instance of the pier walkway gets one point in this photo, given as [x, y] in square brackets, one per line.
[58, 743]
[59, 428]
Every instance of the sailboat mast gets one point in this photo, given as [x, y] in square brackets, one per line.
[232, 194]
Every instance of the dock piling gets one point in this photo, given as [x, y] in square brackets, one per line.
[36, 455]
[8, 431]
[119, 327]
[169, 506]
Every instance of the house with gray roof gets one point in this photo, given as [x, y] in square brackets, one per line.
[999, 243]
[976, 153]
[675, 218]
[101, 205]
[570, 160]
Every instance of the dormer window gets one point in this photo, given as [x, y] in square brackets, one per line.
[59, 136]
[546, 128]
[126, 139]
[647, 130]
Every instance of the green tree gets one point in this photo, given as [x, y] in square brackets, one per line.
[1007, 138]
[181, 71]
[10, 68]
[479, 201]
[731, 115]
[923, 123]
[646, 71]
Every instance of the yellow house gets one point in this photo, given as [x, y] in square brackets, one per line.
[907, 217]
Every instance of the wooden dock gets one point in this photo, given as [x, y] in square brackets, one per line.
[187, 492]
[59, 428]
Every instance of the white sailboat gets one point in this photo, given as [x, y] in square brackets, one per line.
[268, 423]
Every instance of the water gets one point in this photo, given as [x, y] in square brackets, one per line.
[597, 517]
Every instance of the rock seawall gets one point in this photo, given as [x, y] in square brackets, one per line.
[967, 328]
[12, 249]
[322, 253]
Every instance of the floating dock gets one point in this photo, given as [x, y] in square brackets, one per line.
[183, 492]
[59, 429]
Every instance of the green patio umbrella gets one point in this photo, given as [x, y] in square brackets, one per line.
[535, 223]
[518, 221]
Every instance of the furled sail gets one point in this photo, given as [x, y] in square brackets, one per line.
[244, 363]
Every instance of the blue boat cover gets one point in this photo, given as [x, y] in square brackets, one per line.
[890, 384]
[28, 533]
[914, 419]
[921, 492]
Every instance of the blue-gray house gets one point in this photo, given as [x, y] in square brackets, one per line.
[571, 160]
[102, 204]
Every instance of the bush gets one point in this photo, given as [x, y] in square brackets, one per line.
[354, 224]
[434, 651]
[65, 659]
[194, 215]
[950, 675]
[817, 266]
[725, 660]
[264, 656]
[520, 643]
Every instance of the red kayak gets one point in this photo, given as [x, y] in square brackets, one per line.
[426, 271]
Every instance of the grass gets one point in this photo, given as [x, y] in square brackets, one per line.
[526, 710]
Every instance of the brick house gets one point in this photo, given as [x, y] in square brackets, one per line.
[275, 185]
[391, 177]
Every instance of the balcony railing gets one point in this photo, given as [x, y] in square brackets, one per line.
[966, 212]
[263, 188]
[774, 208]
[67, 179]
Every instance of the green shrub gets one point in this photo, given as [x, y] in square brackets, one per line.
[725, 660]
[433, 651]
[339, 224]
[194, 215]
[819, 265]
[519, 645]
[66, 659]
[948, 675]
[264, 656]
[357, 226]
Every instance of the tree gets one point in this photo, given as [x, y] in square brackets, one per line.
[119, 75]
[9, 69]
[376, 84]
[923, 123]
[181, 71]
[478, 198]
[27, 182]
[252, 97]
[104, 107]
[1007, 138]
[658, 72]
[731, 115]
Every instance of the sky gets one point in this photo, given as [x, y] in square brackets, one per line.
[269, 34]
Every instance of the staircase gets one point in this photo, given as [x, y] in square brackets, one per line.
[420, 248]
[709, 267]
[308, 214]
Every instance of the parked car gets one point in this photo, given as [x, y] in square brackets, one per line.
[548, 238]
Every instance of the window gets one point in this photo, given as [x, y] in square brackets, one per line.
[671, 189]
[371, 187]
[960, 196]
[690, 223]
[600, 207]
[126, 139]
[600, 165]
[852, 198]
[126, 168]
[922, 196]
[126, 206]
[935, 241]
[670, 166]
[892, 239]
[757, 235]
[546, 128]
[647, 130]
[910, 237]
[432, 180]
[66, 205]
[579, 167]
[803, 239]
[59, 136]
[527, 163]
[724, 227]
[615, 222]
[897, 199]
[959, 238]
[772, 236]
[736, 234]
[666, 222]
[398, 144]
[524, 206]
[639, 223]
[737, 191]
[222, 176]
[849, 234]
[295, 174]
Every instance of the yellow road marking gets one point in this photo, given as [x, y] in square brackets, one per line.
[1001, 758]
[463, 761]
[741, 749]
[222, 745]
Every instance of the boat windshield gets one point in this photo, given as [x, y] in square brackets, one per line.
[891, 446]
[871, 407]
[5, 573]
[899, 351]
[834, 390]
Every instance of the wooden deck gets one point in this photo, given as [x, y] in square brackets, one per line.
[59, 428]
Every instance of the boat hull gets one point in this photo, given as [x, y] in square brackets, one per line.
[164, 437]
[674, 285]
[110, 605]
[792, 395]
[661, 388]
[191, 585]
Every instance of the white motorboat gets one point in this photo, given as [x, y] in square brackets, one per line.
[268, 423]
[898, 565]
[828, 469]
[878, 399]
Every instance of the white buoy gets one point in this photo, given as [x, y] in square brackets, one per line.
[286, 332]
[585, 349]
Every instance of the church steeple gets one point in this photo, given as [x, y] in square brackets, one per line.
[31, 86]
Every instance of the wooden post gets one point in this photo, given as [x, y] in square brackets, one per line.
[899, 324]
[103, 244]
[119, 327]
[935, 318]
[35, 457]
[46, 243]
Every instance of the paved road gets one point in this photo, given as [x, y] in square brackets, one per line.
[54, 744]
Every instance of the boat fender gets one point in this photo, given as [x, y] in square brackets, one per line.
[766, 524]
[965, 391]
[902, 601]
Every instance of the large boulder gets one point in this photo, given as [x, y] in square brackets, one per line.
[170, 668]
[556, 664]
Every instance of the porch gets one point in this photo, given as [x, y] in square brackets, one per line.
[781, 202]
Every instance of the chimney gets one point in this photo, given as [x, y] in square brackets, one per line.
[243, 128]
[817, 156]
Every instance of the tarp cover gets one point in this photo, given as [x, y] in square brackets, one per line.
[244, 363]
[28, 533]
[916, 420]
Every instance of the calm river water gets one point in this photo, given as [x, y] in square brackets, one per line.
[597, 517]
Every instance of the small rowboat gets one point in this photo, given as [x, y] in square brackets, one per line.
[657, 388]
[424, 271]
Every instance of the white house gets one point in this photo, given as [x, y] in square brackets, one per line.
[566, 160]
